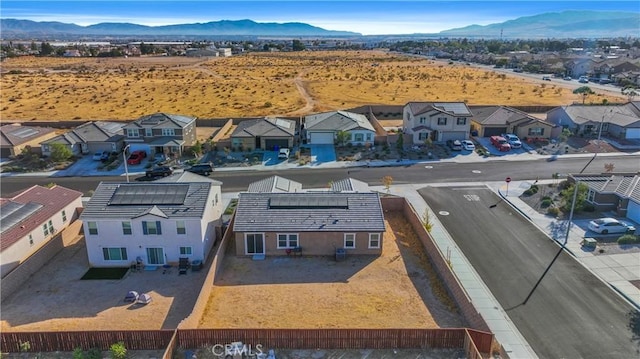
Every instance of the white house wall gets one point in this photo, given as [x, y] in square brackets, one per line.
[110, 235]
[22, 249]
[212, 219]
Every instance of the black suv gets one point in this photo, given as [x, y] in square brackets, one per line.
[203, 169]
[161, 171]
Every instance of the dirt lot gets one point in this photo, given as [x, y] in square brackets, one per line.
[256, 84]
[55, 299]
[396, 290]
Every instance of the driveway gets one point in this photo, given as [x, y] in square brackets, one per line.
[270, 158]
[567, 314]
[486, 142]
[322, 153]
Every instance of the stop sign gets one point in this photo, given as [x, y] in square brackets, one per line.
[508, 179]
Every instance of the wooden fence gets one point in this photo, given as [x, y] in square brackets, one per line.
[473, 342]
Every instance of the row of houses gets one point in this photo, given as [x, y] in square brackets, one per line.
[170, 134]
[181, 216]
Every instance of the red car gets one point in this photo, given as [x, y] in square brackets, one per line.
[501, 143]
[135, 158]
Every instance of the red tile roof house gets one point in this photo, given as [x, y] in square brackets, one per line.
[31, 218]
[13, 138]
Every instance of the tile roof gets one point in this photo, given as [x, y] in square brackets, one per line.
[265, 127]
[44, 202]
[99, 131]
[349, 185]
[67, 138]
[309, 212]
[623, 185]
[275, 184]
[451, 108]
[620, 115]
[181, 199]
[162, 120]
[14, 135]
[186, 176]
[337, 121]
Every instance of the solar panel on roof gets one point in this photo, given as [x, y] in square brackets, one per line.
[292, 202]
[14, 213]
[149, 194]
[456, 108]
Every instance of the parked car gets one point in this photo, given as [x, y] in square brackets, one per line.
[97, 156]
[161, 171]
[583, 79]
[468, 145]
[513, 140]
[284, 153]
[105, 156]
[500, 143]
[203, 169]
[610, 225]
[567, 78]
[604, 81]
[455, 145]
[546, 78]
[136, 157]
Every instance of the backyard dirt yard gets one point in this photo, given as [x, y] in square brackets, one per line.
[396, 290]
[56, 299]
[255, 84]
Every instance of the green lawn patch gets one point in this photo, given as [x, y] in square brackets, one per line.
[105, 273]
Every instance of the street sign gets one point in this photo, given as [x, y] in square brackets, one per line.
[508, 179]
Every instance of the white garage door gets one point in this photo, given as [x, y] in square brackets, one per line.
[321, 138]
[633, 133]
[633, 211]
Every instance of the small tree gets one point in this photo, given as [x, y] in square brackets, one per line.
[583, 91]
[60, 152]
[342, 137]
[428, 142]
[387, 181]
[400, 142]
[581, 197]
[196, 149]
[566, 133]
[630, 91]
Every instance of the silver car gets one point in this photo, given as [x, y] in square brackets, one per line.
[610, 225]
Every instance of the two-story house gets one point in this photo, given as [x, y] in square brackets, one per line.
[439, 121]
[161, 133]
[31, 219]
[155, 223]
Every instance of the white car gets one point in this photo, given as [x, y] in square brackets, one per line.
[610, 225]
[468, 145]
[514, 141]
[284, 153]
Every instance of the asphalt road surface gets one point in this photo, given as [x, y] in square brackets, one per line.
[571, 314]
[432, 172]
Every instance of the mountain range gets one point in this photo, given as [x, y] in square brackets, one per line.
[567, 24]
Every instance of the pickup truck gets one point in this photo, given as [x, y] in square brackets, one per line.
[500, 143]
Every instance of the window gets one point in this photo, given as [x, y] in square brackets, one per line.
[51, 227]
[288, 240]
[45, 229]
[114, 254]
[64, 216]
[93, 228]
[133, 132]
[442, 121]
[423, 120]
[30, 239]
[148, 132]
[536, 131]
[151, 227]
[186, 251]
[181, 227]
[461, 121]
[591, 196]
[369, 136]
[374, 240]
[350, 240]
[126, 228]
[423, 136]
[358, 137]
[168, 132]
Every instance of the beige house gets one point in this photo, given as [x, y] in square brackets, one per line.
[311, 223]
[263, 133]
[439, 121]
[490, 121]
[14, 138]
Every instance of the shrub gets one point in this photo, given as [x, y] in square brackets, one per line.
[546, 203]
[531, 191]
[628, 239]
[94, 353]
[553, 211]
[118, 350]
[78, 353]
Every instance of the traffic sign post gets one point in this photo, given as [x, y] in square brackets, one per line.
[508, 179]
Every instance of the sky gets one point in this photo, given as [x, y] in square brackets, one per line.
[365, 17]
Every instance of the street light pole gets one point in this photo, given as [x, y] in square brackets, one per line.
[124, 157]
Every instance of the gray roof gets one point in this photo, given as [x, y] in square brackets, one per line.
[309, 212]
[186, 177]
[620, 115]
[459, 109]
[131, 200]
[162, 120]
[337, 121]
[99, 131]
[67, 138]
[275, 184]
[624, 185]
[265, 127]
[349, 185]
[16, 134]
[501, 115]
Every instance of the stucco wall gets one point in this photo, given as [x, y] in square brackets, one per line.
[313, 243]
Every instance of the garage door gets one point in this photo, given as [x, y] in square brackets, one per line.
[322, 138]
[453, 135]
[272, 144]
[494, 131]
[5, 152]
[633, 211]
[633, 133]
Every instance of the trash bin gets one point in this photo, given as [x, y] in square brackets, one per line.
[196, 265]
[341, 254]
